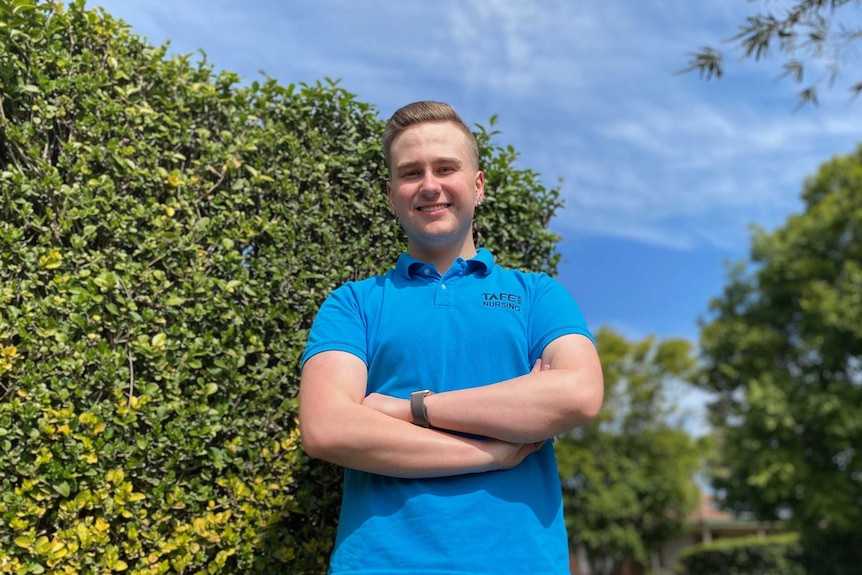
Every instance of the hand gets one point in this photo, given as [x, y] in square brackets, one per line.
[508, 455]
[391, 406]
[539, 366]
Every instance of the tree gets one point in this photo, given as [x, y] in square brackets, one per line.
[628, 476]
[764, 555]
[166, 237]
[816, 44]
[783, 351]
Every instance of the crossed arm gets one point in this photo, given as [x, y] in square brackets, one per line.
[375, 433]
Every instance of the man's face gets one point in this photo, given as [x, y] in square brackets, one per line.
[434, 187]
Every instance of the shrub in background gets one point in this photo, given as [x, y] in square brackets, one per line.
[771, 555]
[166, 236]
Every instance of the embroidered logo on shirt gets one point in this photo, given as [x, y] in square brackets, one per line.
[502, 300]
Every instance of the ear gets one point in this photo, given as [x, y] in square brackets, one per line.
[480, 187]
[389, 195]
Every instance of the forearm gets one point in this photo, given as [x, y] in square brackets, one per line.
[361, 438]
[563, 391]
[337, 426]
[532, 407]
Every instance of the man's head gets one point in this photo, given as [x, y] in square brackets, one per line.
[421, 112]
[434, 183]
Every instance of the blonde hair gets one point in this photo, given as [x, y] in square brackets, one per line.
[419, 113]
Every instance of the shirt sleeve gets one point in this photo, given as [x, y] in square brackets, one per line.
[553, 313]
[339, 326]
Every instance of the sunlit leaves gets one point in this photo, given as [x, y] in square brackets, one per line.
[167, 234]
[785, 360]
[628, 476]
[513, 220]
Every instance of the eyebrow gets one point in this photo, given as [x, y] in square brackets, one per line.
[436, 161]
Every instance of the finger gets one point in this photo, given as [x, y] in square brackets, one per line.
[529, 448]
[537, 366]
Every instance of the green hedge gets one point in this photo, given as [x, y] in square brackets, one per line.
[771, 555]
[166, 236]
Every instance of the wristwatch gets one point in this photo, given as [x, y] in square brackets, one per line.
[417, 408]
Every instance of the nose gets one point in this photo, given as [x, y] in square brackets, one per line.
[430, 186]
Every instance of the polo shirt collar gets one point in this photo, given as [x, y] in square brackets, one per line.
[407, 266]
[482, 263]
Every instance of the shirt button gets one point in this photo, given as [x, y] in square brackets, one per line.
[443, 286]
[427, 272]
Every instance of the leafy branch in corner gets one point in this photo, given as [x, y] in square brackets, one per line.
[816, 40]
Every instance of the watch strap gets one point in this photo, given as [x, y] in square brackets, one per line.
[418, 409]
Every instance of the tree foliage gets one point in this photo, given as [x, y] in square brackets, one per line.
[783, 351]
[770, 555]
[166, 235]
[628, 476]
[817, 42]
[511, 222]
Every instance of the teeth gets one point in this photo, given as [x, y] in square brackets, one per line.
[432, 208]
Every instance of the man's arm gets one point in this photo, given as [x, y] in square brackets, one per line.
[336, 427]
[529, 408]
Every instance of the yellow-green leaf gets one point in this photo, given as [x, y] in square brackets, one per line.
[159, 341]
[62, 489]
[52, 260]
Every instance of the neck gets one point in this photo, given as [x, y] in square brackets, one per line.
[442, 258]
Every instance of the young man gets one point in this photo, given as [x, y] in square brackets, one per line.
[438, 384]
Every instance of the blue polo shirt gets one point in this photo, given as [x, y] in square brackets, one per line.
[475, 325]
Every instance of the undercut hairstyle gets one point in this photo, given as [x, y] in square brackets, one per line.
[419, 113]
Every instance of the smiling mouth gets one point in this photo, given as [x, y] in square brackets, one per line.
[433, 208]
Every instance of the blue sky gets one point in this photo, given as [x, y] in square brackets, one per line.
[662, 173]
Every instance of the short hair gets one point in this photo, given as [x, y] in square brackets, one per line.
[419, 113]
